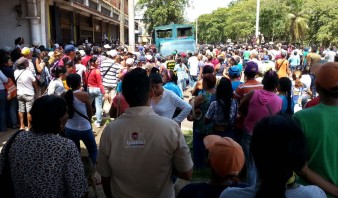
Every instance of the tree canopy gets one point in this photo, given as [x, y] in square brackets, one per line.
[163, 12]
[298, 21]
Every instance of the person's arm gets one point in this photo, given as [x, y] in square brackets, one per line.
[194, 90]
[198, 101]
[183, 165]
[74, 176]
[99, 80]
[35, 85]
[244, 105]
[182, 175]
[103, 166]
[106, 186]
[319, 181]
[210, 113]
[3, 78]
[39, 65]
[86, 99]
[183, 105]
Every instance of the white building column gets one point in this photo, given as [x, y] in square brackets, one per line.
[37, 17]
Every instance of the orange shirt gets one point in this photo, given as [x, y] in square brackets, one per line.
[282, 68]
[245, 88]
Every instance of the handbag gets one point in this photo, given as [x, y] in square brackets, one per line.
[115, 112]
[193, 114]
[6, 183]
[11, 89]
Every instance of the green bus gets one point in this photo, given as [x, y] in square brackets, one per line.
[174, 37]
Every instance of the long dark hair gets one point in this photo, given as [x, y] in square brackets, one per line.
[46, 113]
[285, 85]
[270, 80]
[278, 148]
[73, 82]
[224, 97]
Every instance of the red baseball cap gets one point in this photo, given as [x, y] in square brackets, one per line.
[327, 75]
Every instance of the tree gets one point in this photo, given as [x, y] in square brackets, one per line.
[163, 12]
[298, 19]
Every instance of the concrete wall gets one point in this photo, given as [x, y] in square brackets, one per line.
[9, 30]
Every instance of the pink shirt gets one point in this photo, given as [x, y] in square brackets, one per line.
[259, 106]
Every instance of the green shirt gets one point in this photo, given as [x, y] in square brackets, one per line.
[320, 126]
[246, 55]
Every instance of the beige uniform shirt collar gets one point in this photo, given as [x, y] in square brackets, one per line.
[139, 111]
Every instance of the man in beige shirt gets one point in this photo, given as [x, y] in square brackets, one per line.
[140, 151]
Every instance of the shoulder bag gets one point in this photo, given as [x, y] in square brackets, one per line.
[6, 183]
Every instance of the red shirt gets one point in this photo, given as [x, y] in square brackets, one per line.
[94, 79]
[120, 101]
[312, 103]
[85, 60]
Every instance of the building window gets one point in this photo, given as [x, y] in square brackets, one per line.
[92, 5]
[105, 11]
[79, 1]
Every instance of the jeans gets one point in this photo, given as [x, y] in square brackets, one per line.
[12, 112]
[182, 84]
[199, 151]
[250, 165]
[95, 93]
[88, 139]
[3, 100]
[192, 81]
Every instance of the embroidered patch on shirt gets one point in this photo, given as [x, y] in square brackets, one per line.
[135, 140]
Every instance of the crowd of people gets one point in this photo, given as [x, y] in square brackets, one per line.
[263, 120]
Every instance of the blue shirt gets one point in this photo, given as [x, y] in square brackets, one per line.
[173, 87]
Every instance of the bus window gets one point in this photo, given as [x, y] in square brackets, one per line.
[184, 32]
[164, 33]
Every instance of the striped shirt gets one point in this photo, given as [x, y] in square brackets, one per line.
[245, 88]
[110, 78]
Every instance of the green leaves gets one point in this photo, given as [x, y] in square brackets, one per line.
[163, 12]
[311, 21]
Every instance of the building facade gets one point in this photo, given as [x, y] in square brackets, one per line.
[62, 21]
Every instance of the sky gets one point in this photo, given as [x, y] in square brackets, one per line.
[200, 7]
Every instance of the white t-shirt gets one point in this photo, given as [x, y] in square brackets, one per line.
[193, 65]
[306, 79]
[56, 87]
[250, 192]
[167, 105]
[80, 69]
[24, 82]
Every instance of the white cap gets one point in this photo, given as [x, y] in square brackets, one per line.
[82, 52]
[112, 53]
[36, 43]
[107, 46]
[56, 45]
[51, 53]
[130, 61]
[149, 57]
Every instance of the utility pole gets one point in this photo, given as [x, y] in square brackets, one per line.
[131, 15]
[122, 19]
[257, 18]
